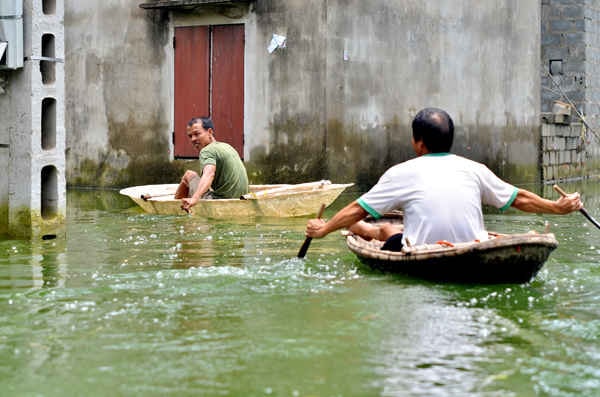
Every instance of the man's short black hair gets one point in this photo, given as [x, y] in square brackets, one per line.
[205, 121]
[435, 128]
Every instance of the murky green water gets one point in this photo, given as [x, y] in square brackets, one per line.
[140, 305]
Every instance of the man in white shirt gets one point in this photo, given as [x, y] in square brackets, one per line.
[440, 193]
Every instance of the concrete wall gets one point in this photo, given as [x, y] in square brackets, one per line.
[354, 73]
[119, 93]
[336, 102]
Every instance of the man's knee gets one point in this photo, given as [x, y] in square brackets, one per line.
[387, 230]
[364, 229]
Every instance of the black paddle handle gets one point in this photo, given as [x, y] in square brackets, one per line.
[306, 244]
[583, 211]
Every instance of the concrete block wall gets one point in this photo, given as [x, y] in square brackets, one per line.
[592, 63]
[563, 51]
[563, 152]
[36, 132]
[571, 53]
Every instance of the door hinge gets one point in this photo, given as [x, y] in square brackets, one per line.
[173, 137]
[174, 41]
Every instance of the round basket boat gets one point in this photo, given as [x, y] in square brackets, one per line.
[503, 258]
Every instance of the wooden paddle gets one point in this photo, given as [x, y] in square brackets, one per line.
[148, 196]
[304, 248]
[583, 211]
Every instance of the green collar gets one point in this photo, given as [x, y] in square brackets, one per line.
[437, 154]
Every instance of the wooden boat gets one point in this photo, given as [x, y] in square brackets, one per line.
[263, 200]
[504, 258]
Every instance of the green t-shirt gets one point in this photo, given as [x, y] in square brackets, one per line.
[231, 180]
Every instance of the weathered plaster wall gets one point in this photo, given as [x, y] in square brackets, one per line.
[118, 93]
[477, 60]
[339, 99]
[336, 103]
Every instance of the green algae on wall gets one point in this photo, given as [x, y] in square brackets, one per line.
[138, 172]
[295, 163]
[296, 153]
[301, 149]
[3, 218]
[146, 172]
[362, 156]
[29, 223]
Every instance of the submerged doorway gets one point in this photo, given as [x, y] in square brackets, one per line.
[209, 81]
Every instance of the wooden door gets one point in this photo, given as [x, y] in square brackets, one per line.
[228, 84]
[209, 81]
[192, 67]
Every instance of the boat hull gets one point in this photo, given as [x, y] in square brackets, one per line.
[510, 258]
[263, 200]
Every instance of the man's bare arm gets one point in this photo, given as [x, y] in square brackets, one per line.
[346, 217]
[530, 202]
[206, 180]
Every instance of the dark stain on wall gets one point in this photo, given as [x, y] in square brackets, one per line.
[361, 156]
[139, 140]
[137, 172]
[157, 20]
[511, 151]
[149, 172]
[296, 154]
[303, 150]
[348, 153]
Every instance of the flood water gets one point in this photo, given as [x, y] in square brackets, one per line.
[132, 304]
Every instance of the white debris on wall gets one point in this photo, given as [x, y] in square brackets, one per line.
[277, 41]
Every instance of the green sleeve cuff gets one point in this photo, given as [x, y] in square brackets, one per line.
[367, 208]
[510, 201]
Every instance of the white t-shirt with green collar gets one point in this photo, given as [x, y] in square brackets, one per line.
[441, 195]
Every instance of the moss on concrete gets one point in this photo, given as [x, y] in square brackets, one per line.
[296, 153]
[3, 218]
[361, 156]
[302, 148]
[27, 223]
[138, 172]
[146, 172]
[138, 138]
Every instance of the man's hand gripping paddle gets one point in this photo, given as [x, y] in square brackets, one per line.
[304, 248]
[583, 211]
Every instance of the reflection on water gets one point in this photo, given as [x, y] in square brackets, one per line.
[137, 304]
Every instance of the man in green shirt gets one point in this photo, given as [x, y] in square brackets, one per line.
[223, 173]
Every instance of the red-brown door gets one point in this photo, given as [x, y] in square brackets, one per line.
[192, 67]
[209, 81]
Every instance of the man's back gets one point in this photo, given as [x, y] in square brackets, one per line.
[441, 195]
